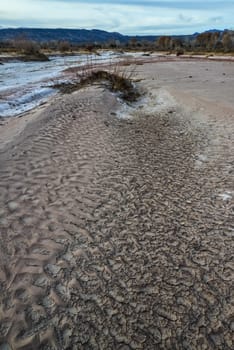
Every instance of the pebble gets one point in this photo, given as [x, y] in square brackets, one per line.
[53, 269]
[12, 206]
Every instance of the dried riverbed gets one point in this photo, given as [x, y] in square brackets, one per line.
[117, 233]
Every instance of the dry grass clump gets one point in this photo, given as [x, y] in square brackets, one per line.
[118, 80]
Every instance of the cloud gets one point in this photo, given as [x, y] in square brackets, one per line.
[217, 19]
[170, 4]
[185, 19]
[127, 17]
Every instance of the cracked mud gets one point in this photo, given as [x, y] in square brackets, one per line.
[115, 234]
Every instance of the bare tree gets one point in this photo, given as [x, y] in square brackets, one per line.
[228, 41]
[64, 46]
[26, 46]
[164, 43]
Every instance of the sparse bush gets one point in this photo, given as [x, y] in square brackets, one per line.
[30, 49]
[118, 69]
[118, 79]
[64, 46]
[26, 46]
[179, 52]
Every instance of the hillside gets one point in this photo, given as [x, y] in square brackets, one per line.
[74, 36]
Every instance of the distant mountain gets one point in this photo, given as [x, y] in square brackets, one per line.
[210, 31]
[76, 36]
[80, 36]
[214, 31]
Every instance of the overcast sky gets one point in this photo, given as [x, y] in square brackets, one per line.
[126, 17]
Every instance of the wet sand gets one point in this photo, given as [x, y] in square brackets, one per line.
[117, 221]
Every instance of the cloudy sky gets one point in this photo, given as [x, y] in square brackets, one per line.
[124, 16]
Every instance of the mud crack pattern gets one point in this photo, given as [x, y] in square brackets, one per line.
[112, 237]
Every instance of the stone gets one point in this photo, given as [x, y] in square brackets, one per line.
[12, 206]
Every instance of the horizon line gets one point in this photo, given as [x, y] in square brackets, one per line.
[145, 34]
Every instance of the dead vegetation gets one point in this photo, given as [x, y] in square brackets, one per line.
[116, 78]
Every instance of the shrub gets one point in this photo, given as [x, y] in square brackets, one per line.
[116, 83]
[64, 46]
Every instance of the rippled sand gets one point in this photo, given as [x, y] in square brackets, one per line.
[116, 222]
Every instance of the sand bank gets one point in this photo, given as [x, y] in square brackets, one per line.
[116, 221]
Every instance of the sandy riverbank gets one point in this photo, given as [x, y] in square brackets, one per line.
[116, 222]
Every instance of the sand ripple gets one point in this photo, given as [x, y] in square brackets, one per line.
[112, 237]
